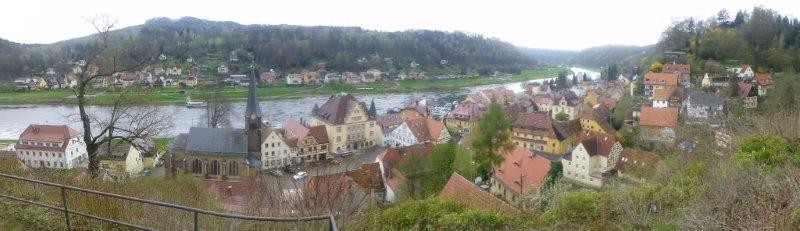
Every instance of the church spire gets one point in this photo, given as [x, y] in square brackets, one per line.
[252, 97]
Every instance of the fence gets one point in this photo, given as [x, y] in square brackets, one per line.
[194, 211]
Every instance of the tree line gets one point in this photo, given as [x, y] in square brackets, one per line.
[283, 47]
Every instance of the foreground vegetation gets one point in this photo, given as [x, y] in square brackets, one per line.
[176, 95]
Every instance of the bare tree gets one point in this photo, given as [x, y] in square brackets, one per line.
[218, 111]
[127, 117]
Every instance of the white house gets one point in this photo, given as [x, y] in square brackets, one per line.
[400, 136]
[596, 154]
[120, 162]
[702, 105]
[51, 146]
[275, 152]
[294, 79]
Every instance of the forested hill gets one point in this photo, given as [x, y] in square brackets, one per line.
[605, 55]
[286, 47]
[763, 38]
[550, 56]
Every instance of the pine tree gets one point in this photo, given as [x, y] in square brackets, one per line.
[492, 137]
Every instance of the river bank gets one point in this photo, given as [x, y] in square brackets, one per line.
[174, 95]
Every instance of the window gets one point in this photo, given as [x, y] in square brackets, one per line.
[233, 169]
[61, 163]
[197, 167]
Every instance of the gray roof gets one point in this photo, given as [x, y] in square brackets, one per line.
[252, 98]
[700, 98]
[216, 141]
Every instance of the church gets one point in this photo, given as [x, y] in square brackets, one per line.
[221, 153]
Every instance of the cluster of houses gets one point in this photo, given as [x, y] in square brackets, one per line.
[62, 147]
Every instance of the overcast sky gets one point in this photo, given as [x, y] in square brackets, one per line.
[555, 24]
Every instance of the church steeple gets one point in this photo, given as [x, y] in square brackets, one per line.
[252, 97]
[252, 117]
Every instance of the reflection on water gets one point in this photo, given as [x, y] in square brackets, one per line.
[15, 118]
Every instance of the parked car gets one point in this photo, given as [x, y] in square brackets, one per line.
[276, 172]
[300, 175]
[290, 169]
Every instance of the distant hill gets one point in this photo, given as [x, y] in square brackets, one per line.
[549, 56]
[285, 47]
[604, 55]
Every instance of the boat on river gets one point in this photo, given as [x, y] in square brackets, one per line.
[195, 104]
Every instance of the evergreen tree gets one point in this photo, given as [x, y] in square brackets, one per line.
[491, 139]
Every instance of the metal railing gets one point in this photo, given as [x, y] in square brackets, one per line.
[195, 211]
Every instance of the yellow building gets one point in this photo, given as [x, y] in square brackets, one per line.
[597, 120]
[349, 123]
[121, 162]
[538, 132]
[591, 99]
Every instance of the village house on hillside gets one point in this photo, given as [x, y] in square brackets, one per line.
[390, 162]
[349, 123]
[592, 159]
[121, 161]
[597, 119]
[635, 163]
[538, 132]
[700, 106]
[683, 71]
[658, 124]
[568, 103]
[417, 131]
[748, 93]
[344, 192]
[275, 151]
[51, 146]
[716, 81]
[465, 116]
[521, 171]
[764, 83]
[657, 82]
[463, 190]
[309, 143]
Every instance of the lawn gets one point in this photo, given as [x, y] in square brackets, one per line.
[175, 95]
[464, 165]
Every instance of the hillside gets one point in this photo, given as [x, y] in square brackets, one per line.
[284, 47]
[549, 56]
[605, 55]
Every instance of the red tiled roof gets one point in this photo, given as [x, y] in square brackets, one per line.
[764, 79]
[389, 121]
[521, 165]
[671, 68]
[597, 143]
[319, 133]
[46, 133]
[294, 130]
[536, 122]
[659, 117]
[636, 160]
[668, 79]
[466, 192]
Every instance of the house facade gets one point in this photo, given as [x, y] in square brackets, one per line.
[51, 146]
[654, 82]
[121, 161]
[658, 124]
[520, 171]
[595, 155]
[275, 151]
[349, 123]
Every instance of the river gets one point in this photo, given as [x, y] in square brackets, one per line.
[15, 118]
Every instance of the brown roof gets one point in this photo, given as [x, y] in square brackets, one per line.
[597, 143]
[567, 128]
[659, 117]
[46, 133]
[294, 130]
[319, 133]
[435, 128]
[747, 90]
[764, 79]
[599, 114]
[536, 122]
[663, 94]
[521, 164]
[635, 160]
[668, 79]
[335, 109]
[392, 158]
[388, 122]
[368, 177]
[466, 192]
[419, 128]
[672, 68]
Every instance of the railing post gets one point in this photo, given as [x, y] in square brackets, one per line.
[64, 205]
[332, 222]
[196, 224]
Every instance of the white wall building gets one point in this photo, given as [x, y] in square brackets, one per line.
[51, 146]
[596, 154]
[275, 152]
